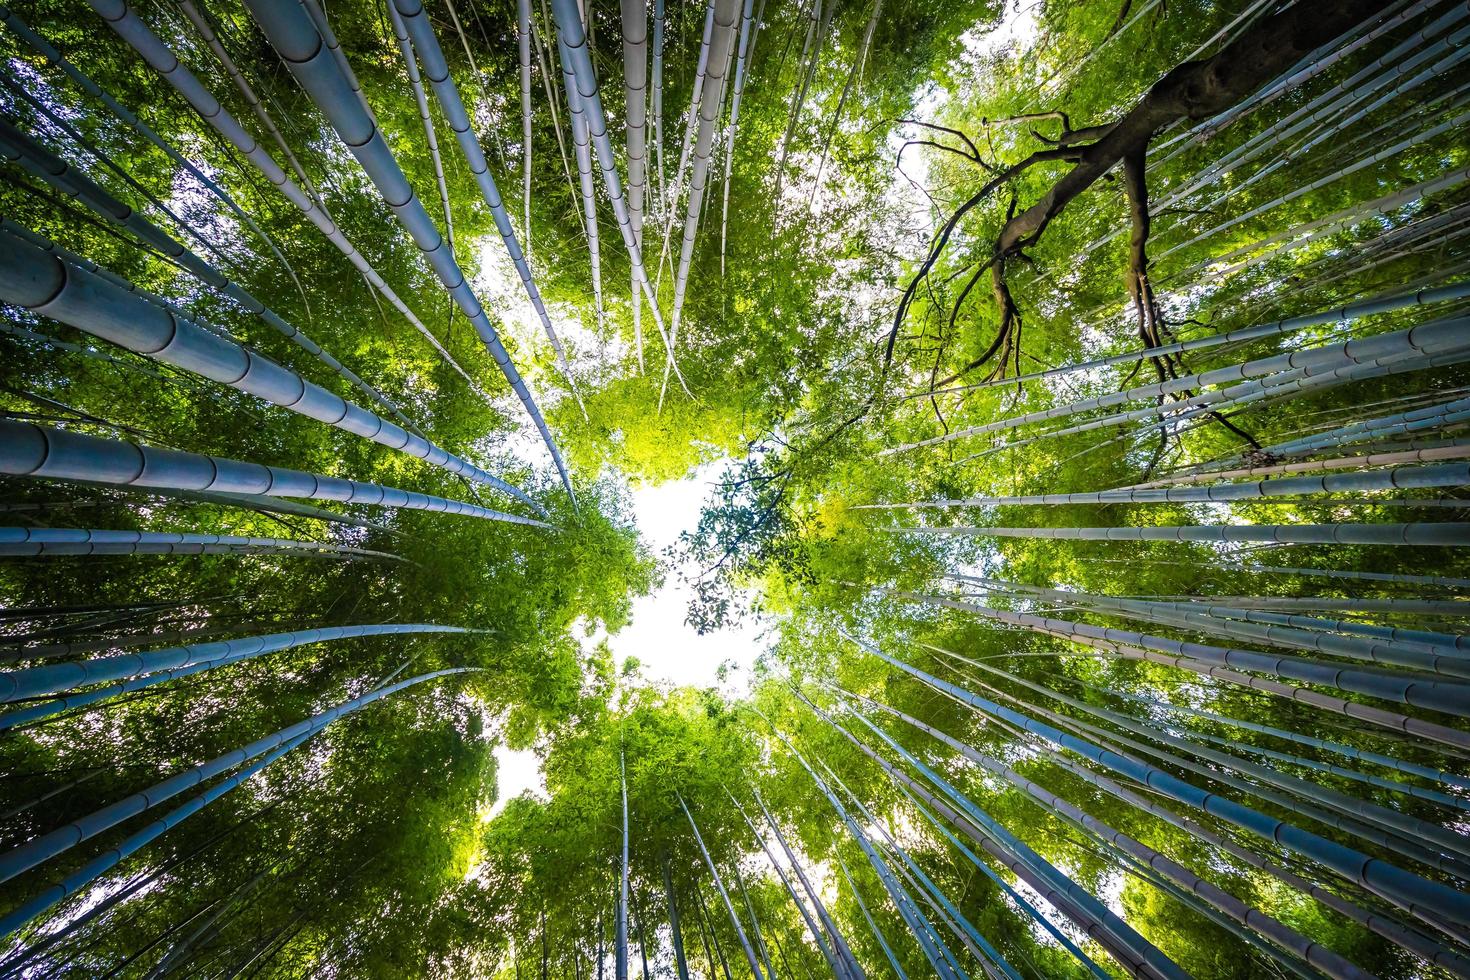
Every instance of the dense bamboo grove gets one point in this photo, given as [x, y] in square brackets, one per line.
[1084, 387]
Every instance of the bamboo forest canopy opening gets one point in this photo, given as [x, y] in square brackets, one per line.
[707, 488]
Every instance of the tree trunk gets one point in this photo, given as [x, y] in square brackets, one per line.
[1194, 90]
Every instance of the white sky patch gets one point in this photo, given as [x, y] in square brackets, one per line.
[516, 772]
[667, 647]
[1017, 29]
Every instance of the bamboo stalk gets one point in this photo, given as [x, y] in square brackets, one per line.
[44, 48]
[121, 18]
[51, 542]
[1405, 889]
[311, 59]
[39, 281]
[270, 748]
[40, 451]
[569, 25]
[16, 145]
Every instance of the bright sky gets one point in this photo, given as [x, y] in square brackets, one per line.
[668, 649]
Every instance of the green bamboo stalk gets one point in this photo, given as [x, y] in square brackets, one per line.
[44, 48]
[1401, 688]
[750, 956]
[41, 451]
[1404, 889]
[1447, 535]
[33, 682]
[121, 18]
[16, 145]
[311, 59]
[38, 542]
[37, 280]
[1423, 341]
[270, 748]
